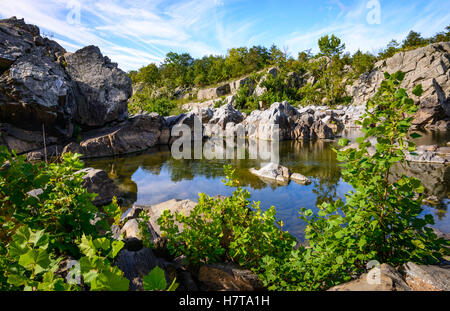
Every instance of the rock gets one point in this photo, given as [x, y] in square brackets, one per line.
[384, 278]
[214, 92]
[225, 115]
[131, 229]
[300, 179]
[106, 88]
[139, 133]
[48, 153]
[427, 66]
[292, 124]
[174, 206]
[228, 277]
[97, 181]
[430, 154]
[36, 91]
[426, 278]
[23, 141]
[136, 265]
[273, 172]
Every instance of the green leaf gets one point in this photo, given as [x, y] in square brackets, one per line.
[155, 280]
[417, 90]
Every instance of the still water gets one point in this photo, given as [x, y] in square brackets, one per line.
[154, 176]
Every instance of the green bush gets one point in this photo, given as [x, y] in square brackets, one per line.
[380, 218]
[229, 229]
[41, 229]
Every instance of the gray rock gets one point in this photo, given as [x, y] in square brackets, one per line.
[136, 134]
[136, 265]
[105, 88]
[273, 172]
[300, 179]
[427, 66]
[226, 114]
[426, 278]
[97, 181]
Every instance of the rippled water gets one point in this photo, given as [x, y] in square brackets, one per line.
[154, 176]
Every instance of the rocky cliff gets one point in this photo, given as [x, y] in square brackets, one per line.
[428, 66]
[44, 89]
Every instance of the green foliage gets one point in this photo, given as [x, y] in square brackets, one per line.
[156, 281]
[144, 101]
[231, 229]
[95, 265]
[62, 207]
[331, 46]
[380, 218]
[362, 63]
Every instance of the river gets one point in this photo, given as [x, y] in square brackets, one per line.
[155, 176]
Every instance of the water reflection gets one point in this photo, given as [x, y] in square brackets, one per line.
[154, 176]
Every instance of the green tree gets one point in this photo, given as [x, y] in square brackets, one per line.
[414, 39]
[331, 46]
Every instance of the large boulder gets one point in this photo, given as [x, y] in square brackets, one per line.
[104, 86]
[136, 134]
[427, 66]
[35, 90]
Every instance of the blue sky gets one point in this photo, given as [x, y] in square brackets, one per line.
[134, 33]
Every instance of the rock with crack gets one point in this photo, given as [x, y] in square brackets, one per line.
[104, 87]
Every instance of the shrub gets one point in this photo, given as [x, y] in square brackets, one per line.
[231, 229]
[380, 218]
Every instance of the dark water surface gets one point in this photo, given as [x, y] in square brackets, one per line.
[154, 176]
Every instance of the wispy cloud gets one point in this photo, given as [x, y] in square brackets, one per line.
[137, 32]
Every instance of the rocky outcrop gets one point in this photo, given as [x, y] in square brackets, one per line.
[35, 90]
[105, 88]
[44, 90]
[291, 123]
[139, 133]
[226, 114]
[427, 66]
